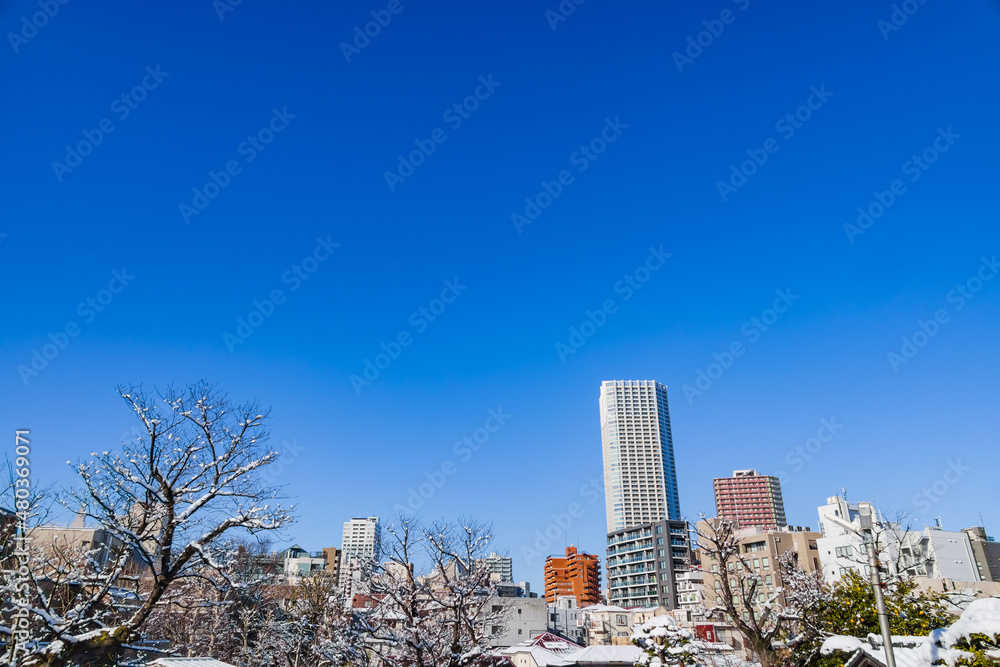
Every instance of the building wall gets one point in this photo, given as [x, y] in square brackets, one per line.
[644, 563]
[762, 549]
[566, 620]
[751, 499]
[526, 619]
[576, 574]
[986, 552]
[640, 476]
[501, 568]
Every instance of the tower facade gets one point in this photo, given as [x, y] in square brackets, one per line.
[751, 499]
[640, 477]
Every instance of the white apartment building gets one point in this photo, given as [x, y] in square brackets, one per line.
[640, 477]
[359, 547]
[566, 619]
[930, 552]
[501, 568]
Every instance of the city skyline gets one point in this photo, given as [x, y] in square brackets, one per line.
[430, 343]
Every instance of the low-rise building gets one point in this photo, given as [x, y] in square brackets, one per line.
[298, 563]
[761, 549]
[526, 618]
[607, 624]
[986, 552]
[566, 619]
[931, 552]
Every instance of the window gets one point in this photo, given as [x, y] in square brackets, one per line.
[756, 563]
[663, 565]
[767, 580]
[765, 562]
[497, 608]
[844, 552]
[520, 631]
[659, 541]
[620, 619]
[662, 553]
[659, 530]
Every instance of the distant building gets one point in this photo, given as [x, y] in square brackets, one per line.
[501, 568]
[640, 477]
[331, 557]
[576, 574]
[359, 548]
[931, 552]
[76, 540]
[644, 562]
[607, 624]
[511, 589]
[761, 549]
[526, 619]
[751, 499]
[987, 553]
[298, 563]
[566, 619]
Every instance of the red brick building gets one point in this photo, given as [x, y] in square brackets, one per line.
[751, 499]
[576, 574]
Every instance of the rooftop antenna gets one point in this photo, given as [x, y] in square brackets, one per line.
[981, 522]
[844, 489]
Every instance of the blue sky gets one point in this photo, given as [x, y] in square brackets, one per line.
[886, 95]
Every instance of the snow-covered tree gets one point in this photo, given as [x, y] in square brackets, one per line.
[850, 610]
[444, 618]
[167, 498]
[772, 620]
[663, 643]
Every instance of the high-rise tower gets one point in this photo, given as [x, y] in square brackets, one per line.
[751, 499]
[640, 478]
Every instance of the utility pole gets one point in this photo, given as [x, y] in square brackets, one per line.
[865, 515]
[865, 530]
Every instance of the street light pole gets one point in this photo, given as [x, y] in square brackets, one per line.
[865, 514]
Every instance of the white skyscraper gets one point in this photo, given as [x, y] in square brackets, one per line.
[640, 478]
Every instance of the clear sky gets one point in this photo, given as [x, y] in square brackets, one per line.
[247, 132]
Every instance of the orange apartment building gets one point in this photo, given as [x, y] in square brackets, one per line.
[576, 574]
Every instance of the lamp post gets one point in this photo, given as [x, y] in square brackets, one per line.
[865, 530]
